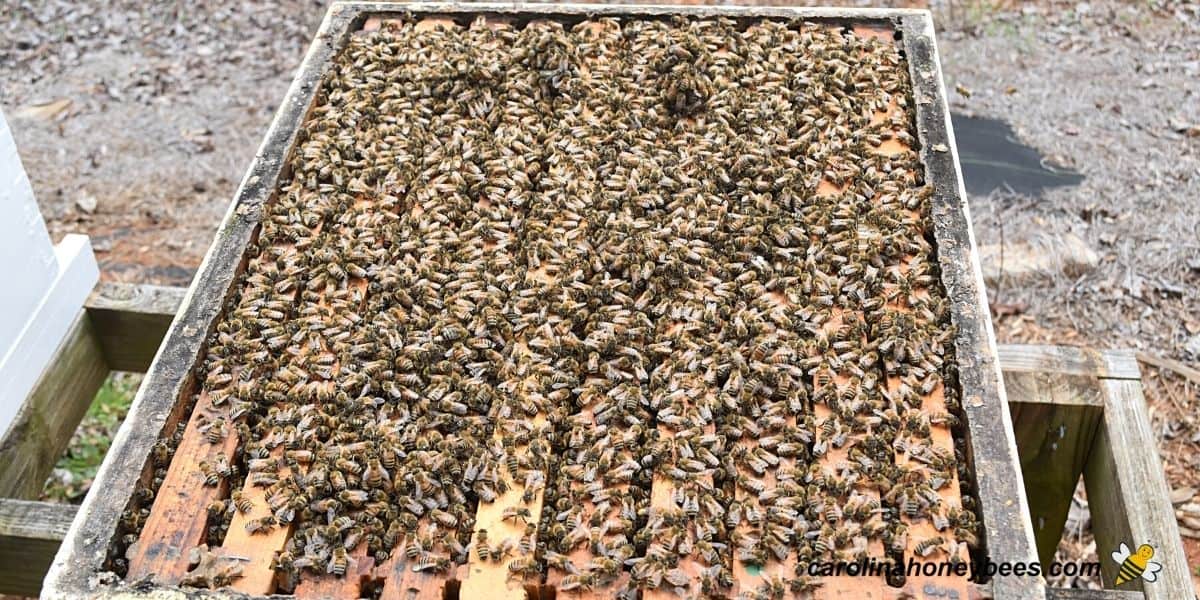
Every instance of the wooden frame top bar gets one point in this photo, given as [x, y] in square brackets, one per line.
[79, 568]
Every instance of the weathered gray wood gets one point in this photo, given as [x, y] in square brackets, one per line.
[992, 449]
[1074, 594]
[1069, 360]
[984, 592]
[1031, 387]
[30, 533]
[131, 321]
[1168, 364]
[1128, 495]
[44, 424]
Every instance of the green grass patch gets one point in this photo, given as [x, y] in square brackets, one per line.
[74, 472]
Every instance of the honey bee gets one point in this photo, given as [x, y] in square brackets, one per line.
[430, 562]
[522, 567]
[577, 581]
[339, 561]
[927, 546]
[482, 549]
[528, 540]
[216, 509]
[241, 502]
[516, 513]
[262, 479]
[260, 525]
[214, 430]
[211, 476]
[503, 549]
[161, 453]
[444, 518]
[223, 467]
[284, 562]
[375, 475]
[342, 523]
[338, 481]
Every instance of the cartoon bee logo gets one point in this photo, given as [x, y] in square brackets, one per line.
[1136, 564]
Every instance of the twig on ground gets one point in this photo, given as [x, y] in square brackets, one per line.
[1168, 364]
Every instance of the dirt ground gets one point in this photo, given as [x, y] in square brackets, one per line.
[162, 108]
[136, 120]
[1113, 90]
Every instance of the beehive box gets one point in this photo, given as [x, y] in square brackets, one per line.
[593, 301]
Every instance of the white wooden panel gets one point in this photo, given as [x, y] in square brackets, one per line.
[44, 286]
[27, 263]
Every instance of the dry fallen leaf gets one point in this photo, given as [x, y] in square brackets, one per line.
[1005, 309]
[44, 111]
[1181, 495]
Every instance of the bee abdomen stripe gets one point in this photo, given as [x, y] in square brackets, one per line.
[1129, 571]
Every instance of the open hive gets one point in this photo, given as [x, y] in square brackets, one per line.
[599, 307]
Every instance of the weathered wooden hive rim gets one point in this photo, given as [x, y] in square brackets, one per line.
[77, 568]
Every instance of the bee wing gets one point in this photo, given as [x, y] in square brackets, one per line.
[1151, 572]
[1121, 553]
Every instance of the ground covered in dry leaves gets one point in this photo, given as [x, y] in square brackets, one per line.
[136, 120]
[1111, 90]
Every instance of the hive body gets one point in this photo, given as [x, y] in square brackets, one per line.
[612, 306]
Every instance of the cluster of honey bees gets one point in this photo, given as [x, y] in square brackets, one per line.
[657, 278]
